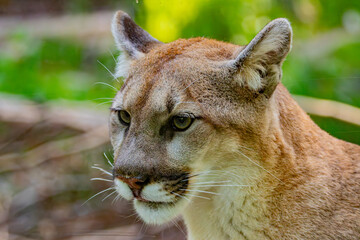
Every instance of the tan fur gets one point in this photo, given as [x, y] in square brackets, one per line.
[293, 180]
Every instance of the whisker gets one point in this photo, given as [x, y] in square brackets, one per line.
[131, 215]
[138, 219]
[112, 100]
[141, 229]
[108, 160]
[107, 98]
[146, 229]
[201, 174]
[108, 195]
[200, 183]
[97, 195]
[220, 173]
[116, 62]
[186, 179]
[245, 147]
[101, 179]
[223, 186]
[211, 171]
[201, 191]
[106, 84]
[112, 56]
[231, 173]
[102, 170]
[178, 227]
[191, 84]
[259, 165]
[188, 194]
[180, 196]
[116, 199]
[103, 103]
[106, 69]
[195, 174]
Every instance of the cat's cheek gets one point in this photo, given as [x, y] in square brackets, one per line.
[185, 149]
[178, 150]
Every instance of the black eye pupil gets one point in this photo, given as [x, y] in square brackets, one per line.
[181, 119]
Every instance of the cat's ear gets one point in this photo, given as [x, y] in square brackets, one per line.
[258, 65]
[131, 38]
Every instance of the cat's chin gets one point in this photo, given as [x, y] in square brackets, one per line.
[159, 212]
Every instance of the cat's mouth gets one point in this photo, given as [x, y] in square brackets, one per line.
[153, 204]
[155, 200]
[158, 212]
[141, 199]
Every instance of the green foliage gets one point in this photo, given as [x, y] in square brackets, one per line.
[53, 69]
[341, 130]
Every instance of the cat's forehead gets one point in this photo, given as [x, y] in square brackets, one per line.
[154, 97]
[163, 77]
[195, 48]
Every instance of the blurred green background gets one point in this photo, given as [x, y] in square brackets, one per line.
[44, 60]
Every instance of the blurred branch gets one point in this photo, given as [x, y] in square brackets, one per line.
[55, 149]
[18, 237]
[76, 115]
[329, 108]
[91, 29]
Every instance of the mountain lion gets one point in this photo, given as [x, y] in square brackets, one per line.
[204, 129]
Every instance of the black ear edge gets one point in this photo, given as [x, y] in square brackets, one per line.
[130, 37]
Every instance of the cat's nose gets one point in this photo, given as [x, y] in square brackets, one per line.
[136, 184]
[133, 182]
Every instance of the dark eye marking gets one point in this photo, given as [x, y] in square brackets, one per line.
[115, 109]
[170, 104]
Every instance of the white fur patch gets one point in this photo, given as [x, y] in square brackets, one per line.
[122, 66]
[156, 193]
[123, 189]
[176, 148]
[160, 213]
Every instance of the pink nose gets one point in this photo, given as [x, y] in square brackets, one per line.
[135, 184]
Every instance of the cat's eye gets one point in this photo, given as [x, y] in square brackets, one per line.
[124, 117]
[180, 123]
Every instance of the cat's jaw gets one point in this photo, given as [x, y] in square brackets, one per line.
[159, 213]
